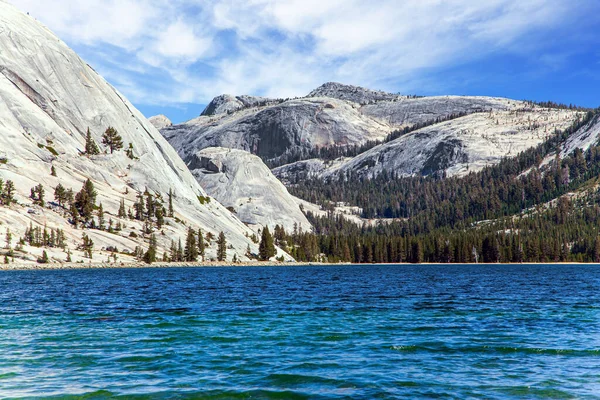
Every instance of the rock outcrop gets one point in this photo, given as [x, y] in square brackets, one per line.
[355, 94]
[227, 104]
[244, 184]
[160, 121]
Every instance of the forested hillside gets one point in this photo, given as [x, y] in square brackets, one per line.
[534, 207]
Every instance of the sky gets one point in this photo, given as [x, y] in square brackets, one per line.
[173, 56]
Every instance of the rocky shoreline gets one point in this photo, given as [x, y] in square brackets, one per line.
[106, 265]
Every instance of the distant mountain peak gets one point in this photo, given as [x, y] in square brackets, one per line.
[226, 104]
[160, 121]
[352, 93]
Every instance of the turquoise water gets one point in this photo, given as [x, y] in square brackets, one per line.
[302, 332]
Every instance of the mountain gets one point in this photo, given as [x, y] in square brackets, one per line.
[332, 116]
[49, 98]
[280, 131]
[339, 130]
[160, 121]
[244, 184]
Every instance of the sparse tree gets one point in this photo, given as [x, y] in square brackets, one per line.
[266, 248]
[112, 139]
[150, 255]
[101, 220]
[37, 195]
[87, 246]
[201, 245]
[91, 148]
[221, 247]
[191, 249]
[85, 200]
[170, 202]
[122, 212]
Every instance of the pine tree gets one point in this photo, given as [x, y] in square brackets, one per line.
[9, 193]
[201, 245]
[122, 213]
[180, 252]
[129, 152]
[87, 246]
[221, 247]
[85, 200]
[173, 251]
[8, 238]
[37, 195]
[160, 216]
[112, 139]
[6, 192]
[60, 195]
[191, 249]
[74, 214]
[44, 258]
[266, 248]
[52, 171]
[170, 202]
[101, 217]
[150, 255]
[91, 148]
[139, 207]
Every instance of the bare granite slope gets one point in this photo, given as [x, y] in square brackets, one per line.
[242, 182]
[49, 97]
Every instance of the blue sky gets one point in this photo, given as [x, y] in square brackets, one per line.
[173, 56]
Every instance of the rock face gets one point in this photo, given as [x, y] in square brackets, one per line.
[422, 110]
[458, 146]
[160, 121]
[351, 93]
[49, 97]
[333, 115]
[280, 131]
[584, 138]
[227, 104]
[243, 183]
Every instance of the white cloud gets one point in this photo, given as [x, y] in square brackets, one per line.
[191, 50]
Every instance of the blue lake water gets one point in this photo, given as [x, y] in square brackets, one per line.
[302, 332]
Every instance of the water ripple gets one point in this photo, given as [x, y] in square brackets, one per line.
[344, 332]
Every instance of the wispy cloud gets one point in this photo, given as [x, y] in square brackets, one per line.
[187, 51]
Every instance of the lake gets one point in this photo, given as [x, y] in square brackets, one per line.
[330, 332]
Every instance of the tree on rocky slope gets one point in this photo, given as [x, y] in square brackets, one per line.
[37, 195]
[266, 248]
[85, 200]
[201, 246]
[7, 192]
[221, 247]
[91, 148]
[150, 255]
[191, 250]
[112, 139]
[87, 245]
